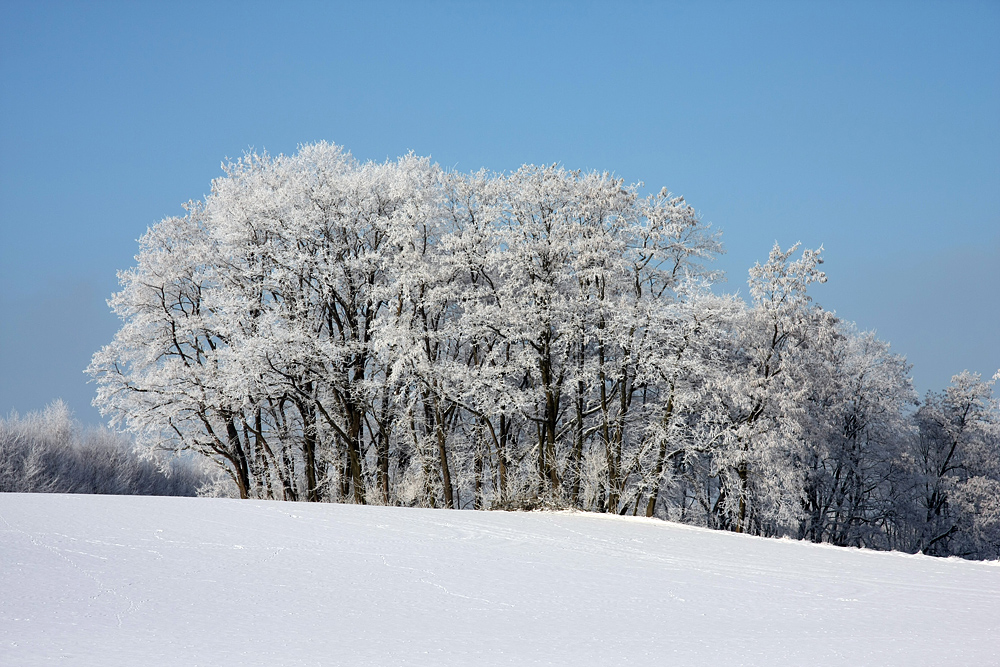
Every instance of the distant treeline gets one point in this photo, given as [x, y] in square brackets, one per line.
[48, 452]
[328, 330]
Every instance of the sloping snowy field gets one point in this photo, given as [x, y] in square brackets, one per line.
[105, 580]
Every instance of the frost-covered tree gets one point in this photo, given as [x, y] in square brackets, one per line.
[324, 329]
[757, 399]
[956, 459]
[248, 324]
[853, 428]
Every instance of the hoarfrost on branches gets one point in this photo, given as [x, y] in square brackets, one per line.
[330, 330]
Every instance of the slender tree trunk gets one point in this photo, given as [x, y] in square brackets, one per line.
[383, 465]
[502, 443]
[661, 455]
[609, 451]
[576, 459]
[449, 498]
[743, 472]
[477, 470]
[551, 417]
[309, 454]
[382, 449]
[354, 452]
[239, 458]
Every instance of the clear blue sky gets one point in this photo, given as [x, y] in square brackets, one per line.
[873, 128]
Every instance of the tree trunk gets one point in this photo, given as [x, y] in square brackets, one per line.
[238, 458]
[662, 455]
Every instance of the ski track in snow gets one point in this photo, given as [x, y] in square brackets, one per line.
[104, 580]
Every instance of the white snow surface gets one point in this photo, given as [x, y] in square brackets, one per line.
[114, 580]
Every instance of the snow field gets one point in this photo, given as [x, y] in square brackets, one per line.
[115, 580]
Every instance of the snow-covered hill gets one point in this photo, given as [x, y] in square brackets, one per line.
[103, 580]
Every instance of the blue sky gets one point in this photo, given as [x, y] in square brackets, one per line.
[872, 128]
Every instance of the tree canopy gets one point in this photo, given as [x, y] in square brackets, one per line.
[330, 330]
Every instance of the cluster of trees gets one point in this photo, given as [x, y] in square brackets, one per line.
[49, 452]
[329, 330]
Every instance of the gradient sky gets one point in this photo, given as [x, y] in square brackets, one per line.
[872, 128]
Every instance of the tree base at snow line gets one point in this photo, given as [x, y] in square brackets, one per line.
[534, 504]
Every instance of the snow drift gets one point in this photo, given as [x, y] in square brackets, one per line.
[104, 580]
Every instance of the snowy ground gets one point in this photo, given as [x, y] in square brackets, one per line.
[104, 580]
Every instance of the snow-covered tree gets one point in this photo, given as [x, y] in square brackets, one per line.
[756, 402]
[853, 429]
[956, 457]
[324, 329]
